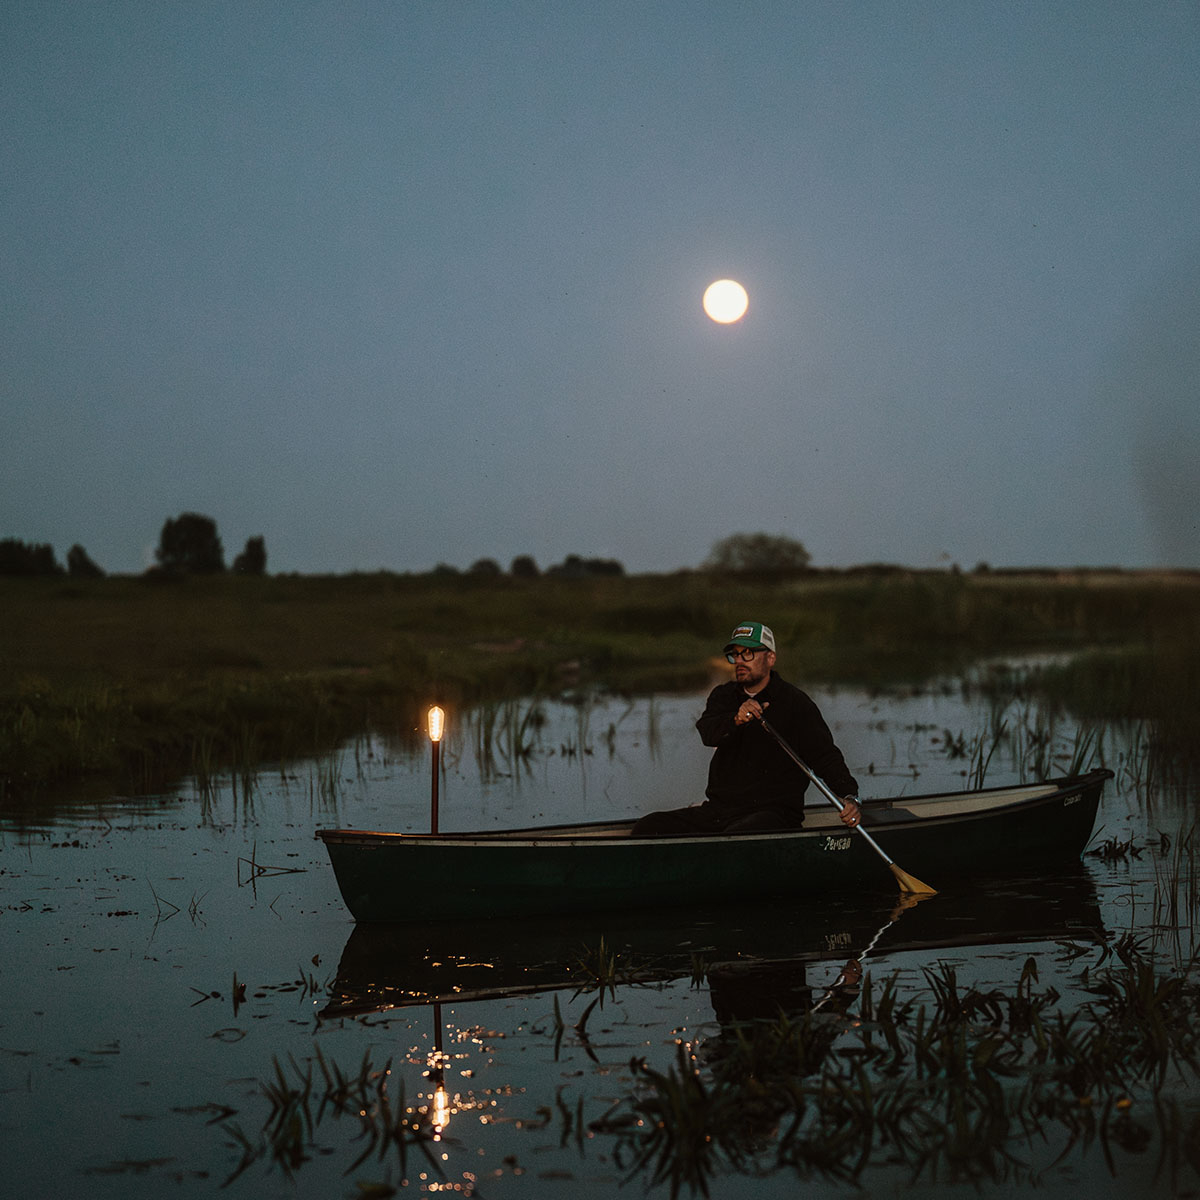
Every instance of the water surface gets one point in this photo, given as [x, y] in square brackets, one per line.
[169, 959]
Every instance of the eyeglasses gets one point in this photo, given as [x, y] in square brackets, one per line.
[745, 655]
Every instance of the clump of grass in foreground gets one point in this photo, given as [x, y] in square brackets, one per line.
[981, 1086]
[976, 1087]
[366, 1099]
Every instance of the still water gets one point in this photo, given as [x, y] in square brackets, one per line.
[183, 990]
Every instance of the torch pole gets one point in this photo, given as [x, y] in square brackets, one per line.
[437, 726]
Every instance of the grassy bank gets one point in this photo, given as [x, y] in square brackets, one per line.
[129, 681]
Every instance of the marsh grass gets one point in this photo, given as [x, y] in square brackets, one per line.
[985, 747]
[1034, 742]
[300, 1101]
[968, 1086]
[1157, 679]
[504, 734]
[131, 682]
[581, 742]
[1175, 913]
[324, 786]
[600, 969]
[945, 1082]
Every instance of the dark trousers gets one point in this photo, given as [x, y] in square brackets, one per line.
[710, 818]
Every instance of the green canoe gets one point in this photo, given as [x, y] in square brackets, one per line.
[591, 867]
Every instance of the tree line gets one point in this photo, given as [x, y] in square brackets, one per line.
[524, 566]
[190, 545]
[187, 545]
[27, 558]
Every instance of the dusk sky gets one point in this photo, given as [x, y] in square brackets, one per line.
[400, 283]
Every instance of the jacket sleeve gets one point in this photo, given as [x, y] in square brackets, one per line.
[813, 740]
[716, 722]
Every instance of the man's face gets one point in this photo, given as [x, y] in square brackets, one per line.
[753, 673]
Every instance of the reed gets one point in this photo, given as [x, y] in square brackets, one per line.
[328, 781]
[985, 747]
[1157, 680]
[953, 1084]
[504, 734]
[960, 1089]
[679, 1113]
[299, 1103]
[601, 969]
[1037, 742]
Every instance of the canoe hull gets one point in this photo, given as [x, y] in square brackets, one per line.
[405, 877]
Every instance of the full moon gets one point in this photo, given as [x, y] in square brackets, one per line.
[725, 301]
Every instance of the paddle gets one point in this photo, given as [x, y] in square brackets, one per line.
[908, 883]
[902, 905]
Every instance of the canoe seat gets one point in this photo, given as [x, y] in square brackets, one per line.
[887, 816]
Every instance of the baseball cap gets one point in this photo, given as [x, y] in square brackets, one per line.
[754, 635]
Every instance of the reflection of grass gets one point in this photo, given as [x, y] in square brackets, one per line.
[130, 680]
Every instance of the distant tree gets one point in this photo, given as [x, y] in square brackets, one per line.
[80, 564]
[26, 558]
[603, 566]
[189, 545]
[571, 567]
[253, 559]
[524, 567]
[574, 567]
[445, 569]
[757, 552]
[487, 567]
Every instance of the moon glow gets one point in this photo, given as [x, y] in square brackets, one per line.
[725, 301]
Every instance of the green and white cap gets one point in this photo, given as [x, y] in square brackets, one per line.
[754, 635]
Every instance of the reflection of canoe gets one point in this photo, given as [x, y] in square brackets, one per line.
[387, 966]
[580, 868]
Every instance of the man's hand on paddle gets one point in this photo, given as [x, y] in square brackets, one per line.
[851, 813]
[750, 710]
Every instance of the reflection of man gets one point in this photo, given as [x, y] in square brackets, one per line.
[753, 785]
[764, 989]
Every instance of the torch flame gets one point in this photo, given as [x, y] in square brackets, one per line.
[437, 724]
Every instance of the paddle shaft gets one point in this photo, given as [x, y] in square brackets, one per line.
[908, 883]
[822, 786]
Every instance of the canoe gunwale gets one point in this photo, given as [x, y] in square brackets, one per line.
[598, 833]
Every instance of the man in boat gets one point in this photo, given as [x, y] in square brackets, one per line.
[753, 785]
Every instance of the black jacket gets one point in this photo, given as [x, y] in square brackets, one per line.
[749, 769]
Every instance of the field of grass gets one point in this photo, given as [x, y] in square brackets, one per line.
[128, 682]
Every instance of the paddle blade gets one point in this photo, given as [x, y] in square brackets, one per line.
[910, 883]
